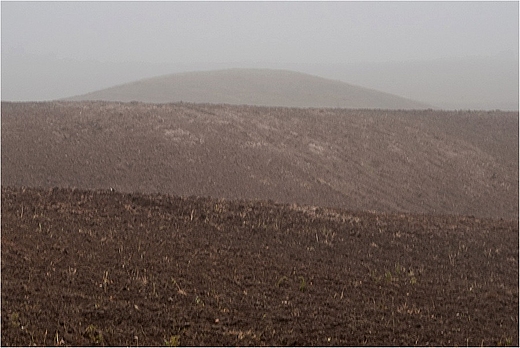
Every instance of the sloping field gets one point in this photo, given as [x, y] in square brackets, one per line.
[425, 161]
[251, 87]
[106, 268]
[102, 267]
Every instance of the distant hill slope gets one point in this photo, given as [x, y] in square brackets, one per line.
[252, 87]
[412, 161]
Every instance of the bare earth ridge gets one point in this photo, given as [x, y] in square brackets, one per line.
[410, 161]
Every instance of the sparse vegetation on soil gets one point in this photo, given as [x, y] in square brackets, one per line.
[106, 268]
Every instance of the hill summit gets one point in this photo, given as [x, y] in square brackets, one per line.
[262, 87]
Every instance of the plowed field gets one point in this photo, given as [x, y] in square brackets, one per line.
[98, 267]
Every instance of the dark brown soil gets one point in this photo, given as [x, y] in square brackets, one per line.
[105, 268]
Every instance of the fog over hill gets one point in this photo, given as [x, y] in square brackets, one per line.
[264, 87]
[476, 83]
[451, 55]
[470, 83]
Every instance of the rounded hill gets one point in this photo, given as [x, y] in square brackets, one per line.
[262, 87]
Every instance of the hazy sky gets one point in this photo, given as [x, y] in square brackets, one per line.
[255, 32]
[307, 32]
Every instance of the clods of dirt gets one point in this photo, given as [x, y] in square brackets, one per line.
[104, 268]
